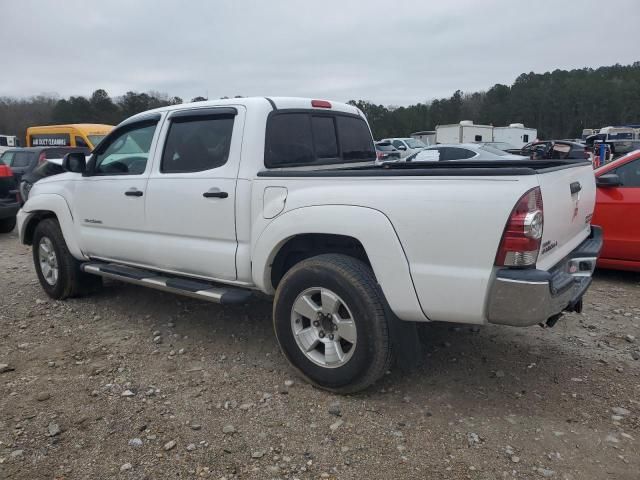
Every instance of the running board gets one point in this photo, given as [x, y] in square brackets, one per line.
[181, 286]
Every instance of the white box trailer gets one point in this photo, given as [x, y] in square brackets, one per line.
[8, 141]
[464, 132]
[428, 137]
[516, 134]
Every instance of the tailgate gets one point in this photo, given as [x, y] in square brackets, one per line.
[568, 196]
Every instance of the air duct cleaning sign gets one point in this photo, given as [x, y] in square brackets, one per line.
[51, 140]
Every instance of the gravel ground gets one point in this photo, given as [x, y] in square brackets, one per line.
[132, 383]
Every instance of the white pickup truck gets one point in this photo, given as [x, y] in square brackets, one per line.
[216, 200]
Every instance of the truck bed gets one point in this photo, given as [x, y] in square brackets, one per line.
[451, 168]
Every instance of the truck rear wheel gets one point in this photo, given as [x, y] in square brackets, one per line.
[329, 318]
[58, 271]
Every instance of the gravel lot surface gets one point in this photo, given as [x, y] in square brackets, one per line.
[132, 383]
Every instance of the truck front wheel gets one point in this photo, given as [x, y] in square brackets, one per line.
[58, 271]
[329, 318]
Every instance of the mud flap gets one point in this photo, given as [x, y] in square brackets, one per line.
[405, 343]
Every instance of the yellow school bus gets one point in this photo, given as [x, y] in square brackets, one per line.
[72, 135]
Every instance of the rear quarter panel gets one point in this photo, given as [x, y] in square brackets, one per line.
[449, 229]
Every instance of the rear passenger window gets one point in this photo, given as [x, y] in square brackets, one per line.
[195, 144]
[460, 153]
[306, 138]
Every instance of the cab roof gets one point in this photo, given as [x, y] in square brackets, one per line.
[270, 103]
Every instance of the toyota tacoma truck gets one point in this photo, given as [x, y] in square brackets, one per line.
[218, 200]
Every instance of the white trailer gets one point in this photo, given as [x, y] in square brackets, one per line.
[516, 134]
[428, 137]
[464, 132]
[8, 141]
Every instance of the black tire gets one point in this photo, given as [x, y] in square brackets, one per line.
[353, 281]
[7, 224]
[71, 281]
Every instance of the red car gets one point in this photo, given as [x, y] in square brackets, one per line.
[618, 212]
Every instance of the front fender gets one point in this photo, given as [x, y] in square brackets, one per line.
[371, 227]
[56, 204]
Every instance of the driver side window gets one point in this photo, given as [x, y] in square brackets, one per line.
[629, 174]
[126, 153]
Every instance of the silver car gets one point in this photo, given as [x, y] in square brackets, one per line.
[461, 151]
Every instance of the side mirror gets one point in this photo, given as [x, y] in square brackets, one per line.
[401, 147]
[75, 162]
[608, 180]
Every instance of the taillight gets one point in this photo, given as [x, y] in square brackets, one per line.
[379, 155]
[42, 158]
[5, 171]
[521, 239]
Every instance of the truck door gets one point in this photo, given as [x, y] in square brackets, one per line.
[108, 206]
[190, 205]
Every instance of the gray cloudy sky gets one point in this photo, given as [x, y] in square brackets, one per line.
[391, 52]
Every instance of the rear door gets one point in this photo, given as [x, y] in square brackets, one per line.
[568, 197]
[618, 211]
[190, 203]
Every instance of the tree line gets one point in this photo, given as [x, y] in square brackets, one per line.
[559, 104]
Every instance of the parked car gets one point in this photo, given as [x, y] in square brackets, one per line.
[406, 146]
[461, 151]
[53, 166]
[618, 212]
[553, 150]
[386, 152]
[9, 203]
[218, 199]
[24, 160]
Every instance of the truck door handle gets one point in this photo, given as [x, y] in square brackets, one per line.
[575, 187]
[133, 192]
[215, 193]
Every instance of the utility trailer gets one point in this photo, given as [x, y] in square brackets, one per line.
[516, 134]
[464, 132]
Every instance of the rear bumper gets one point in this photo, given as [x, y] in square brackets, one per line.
[528, 297]
[8, 209]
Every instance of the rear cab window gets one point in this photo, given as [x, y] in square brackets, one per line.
[302, 138]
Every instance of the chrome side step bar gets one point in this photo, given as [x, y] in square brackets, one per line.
[181, 286]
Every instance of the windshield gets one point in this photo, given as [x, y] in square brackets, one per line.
[95, 139]
[413, 143]
[617, 161]
[495, 151]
